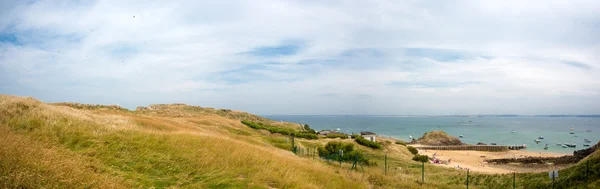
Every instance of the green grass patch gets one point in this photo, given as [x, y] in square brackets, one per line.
[362, 141]
[283, 131]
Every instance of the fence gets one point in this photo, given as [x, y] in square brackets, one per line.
[583, 173]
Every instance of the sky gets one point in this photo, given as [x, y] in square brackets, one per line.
[405, 57]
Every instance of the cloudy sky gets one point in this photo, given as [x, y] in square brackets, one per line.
[411, 57]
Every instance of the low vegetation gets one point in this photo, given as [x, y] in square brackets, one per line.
[401, 142]
[283, 131]
[412, 150]
[342, 136]
[341, 151]
[362, 141]
[421, 158]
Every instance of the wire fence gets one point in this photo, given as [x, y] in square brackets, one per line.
[580, 174]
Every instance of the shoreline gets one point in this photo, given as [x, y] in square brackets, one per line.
[474, 160]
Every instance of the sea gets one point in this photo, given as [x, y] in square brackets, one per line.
[554, 129]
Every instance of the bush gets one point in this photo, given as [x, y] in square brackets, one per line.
[412, 150]
[308, 129]
[362, 141]
[332, 151]
[283, 131]
[421, 158]
[342, 136]
[401, 142]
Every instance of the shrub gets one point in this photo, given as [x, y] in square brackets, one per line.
[283, 131]
[332, 151]
[342, 136]
[412, 150]
[308, 129]
[401, 142]
[421, 158]
[362, 141]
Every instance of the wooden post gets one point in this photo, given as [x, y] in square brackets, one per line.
[423, 172]
[467, 178]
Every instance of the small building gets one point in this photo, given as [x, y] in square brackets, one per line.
[369, 135]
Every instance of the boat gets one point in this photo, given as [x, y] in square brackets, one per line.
[541, 137]
[572, 132]
[572, 145]
[589, 130]
[537, 141]
[587, 141]
[564, 146]
[513, 131]
[586, 144]
[558, 144]
[493, 143]
[460, 136]
[546, 147]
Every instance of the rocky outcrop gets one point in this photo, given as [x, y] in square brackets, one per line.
[438, 138]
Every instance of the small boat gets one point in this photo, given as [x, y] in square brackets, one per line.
[558, 144]
[541, 137]
[537, 141]
[460, 136]
[546, 147]
[513, 131]
[587, 141]
[589, 130]
[410, 137]
[493, 143]
[572, 145]
[572, 132]
[586, 144]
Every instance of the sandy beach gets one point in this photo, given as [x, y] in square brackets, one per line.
[474, 160]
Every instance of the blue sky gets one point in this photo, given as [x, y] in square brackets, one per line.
[308, 57]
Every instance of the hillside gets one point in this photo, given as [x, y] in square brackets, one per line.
[70, 145]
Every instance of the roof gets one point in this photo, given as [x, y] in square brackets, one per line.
[367, 133]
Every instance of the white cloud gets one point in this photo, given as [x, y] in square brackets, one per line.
[502, 57]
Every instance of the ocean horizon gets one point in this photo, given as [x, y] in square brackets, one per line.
[555, 129]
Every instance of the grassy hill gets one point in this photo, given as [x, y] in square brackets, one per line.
[70, 145]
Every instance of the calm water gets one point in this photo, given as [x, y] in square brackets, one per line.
[485, 129]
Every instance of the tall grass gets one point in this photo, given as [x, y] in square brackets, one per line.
[51, 146]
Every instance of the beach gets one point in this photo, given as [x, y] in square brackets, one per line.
[474, 160]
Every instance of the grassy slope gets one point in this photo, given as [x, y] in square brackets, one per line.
[58, 146]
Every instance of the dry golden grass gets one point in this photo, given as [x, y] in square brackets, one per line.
[59, 146]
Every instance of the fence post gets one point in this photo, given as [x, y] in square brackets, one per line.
[423, 172]
[467, 178]
[514, 179]
[385, 167]
[587, 170]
